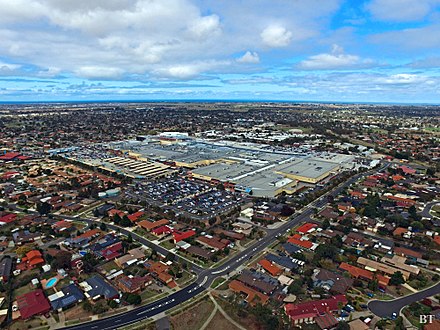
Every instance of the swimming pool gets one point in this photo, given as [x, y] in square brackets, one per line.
[51, 282]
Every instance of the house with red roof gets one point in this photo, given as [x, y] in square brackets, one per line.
[136, 216]
[10, 156]
[309, 311]
[407, 169]
[32, 259]
[180, 236]
[9, 175]
[295, 240]
[307, 228]
[7, 218]
[150, 225]
[162, 231]
[273, 270]
[364, 274]
[252, 296]
[62, 225]
[401, 201]
[32, 303]
[111, 252]
[111, 213]
[358, 195]
[213, 242]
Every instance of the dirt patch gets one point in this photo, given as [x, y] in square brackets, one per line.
[76, 312]
[246, 320]
[219, 322]
[194, 317]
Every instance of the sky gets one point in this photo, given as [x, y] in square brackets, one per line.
[293, 50]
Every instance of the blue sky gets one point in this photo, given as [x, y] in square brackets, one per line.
[312, 50]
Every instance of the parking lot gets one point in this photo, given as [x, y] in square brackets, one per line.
[214, 201]
[193, 197]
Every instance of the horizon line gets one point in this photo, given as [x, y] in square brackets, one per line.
[219, 101]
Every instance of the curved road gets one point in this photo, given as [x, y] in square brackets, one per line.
[207, 276]
[426, 211]
[383, 308]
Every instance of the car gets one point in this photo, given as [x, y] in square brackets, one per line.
[394, 316]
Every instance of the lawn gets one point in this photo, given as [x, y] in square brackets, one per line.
[194, 317]
[184, 279]
[167, 245]
[22, 290]
[217, 282]
[107, 267]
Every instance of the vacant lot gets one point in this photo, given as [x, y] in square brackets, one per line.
[247, 321]
[194, 317]
[76, 312]
[220, 323]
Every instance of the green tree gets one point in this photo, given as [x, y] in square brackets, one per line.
[87, 306]
[103, 226]
[325, 224]
[44, 208]
[265, 317]
[342, 326]
[134, 299]
[296, 287]
[125, 222]
[373, 285]
[397, 278]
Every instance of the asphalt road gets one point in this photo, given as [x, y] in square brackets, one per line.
[425, 212]
[387, 308]
[207, 276]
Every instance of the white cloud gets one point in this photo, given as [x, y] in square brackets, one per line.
[99, 72]
[413, 39]
[113, 38]
[205, 26]
[403, 78]
[401, 10]
[276, 36]
[249, 57]
[337, 59]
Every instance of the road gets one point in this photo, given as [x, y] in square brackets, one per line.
[425, 212]
[387, 308]
[207, 276]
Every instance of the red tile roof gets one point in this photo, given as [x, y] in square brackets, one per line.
[148, 225]
[89, 233]
[33, 303]
[314, 308]
[8, 218]
[399, 231]
[179, 236]
[237, 286]
[162, 230]
[270, 267]
[298, 242]
[306, 228]
[9, 156]
[135, 216]
[407, 252]
[358, 272]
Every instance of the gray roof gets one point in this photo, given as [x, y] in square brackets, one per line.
[72, 295]
[101, 288]
[5, 267]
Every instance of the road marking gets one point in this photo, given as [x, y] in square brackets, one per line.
[204, 281]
